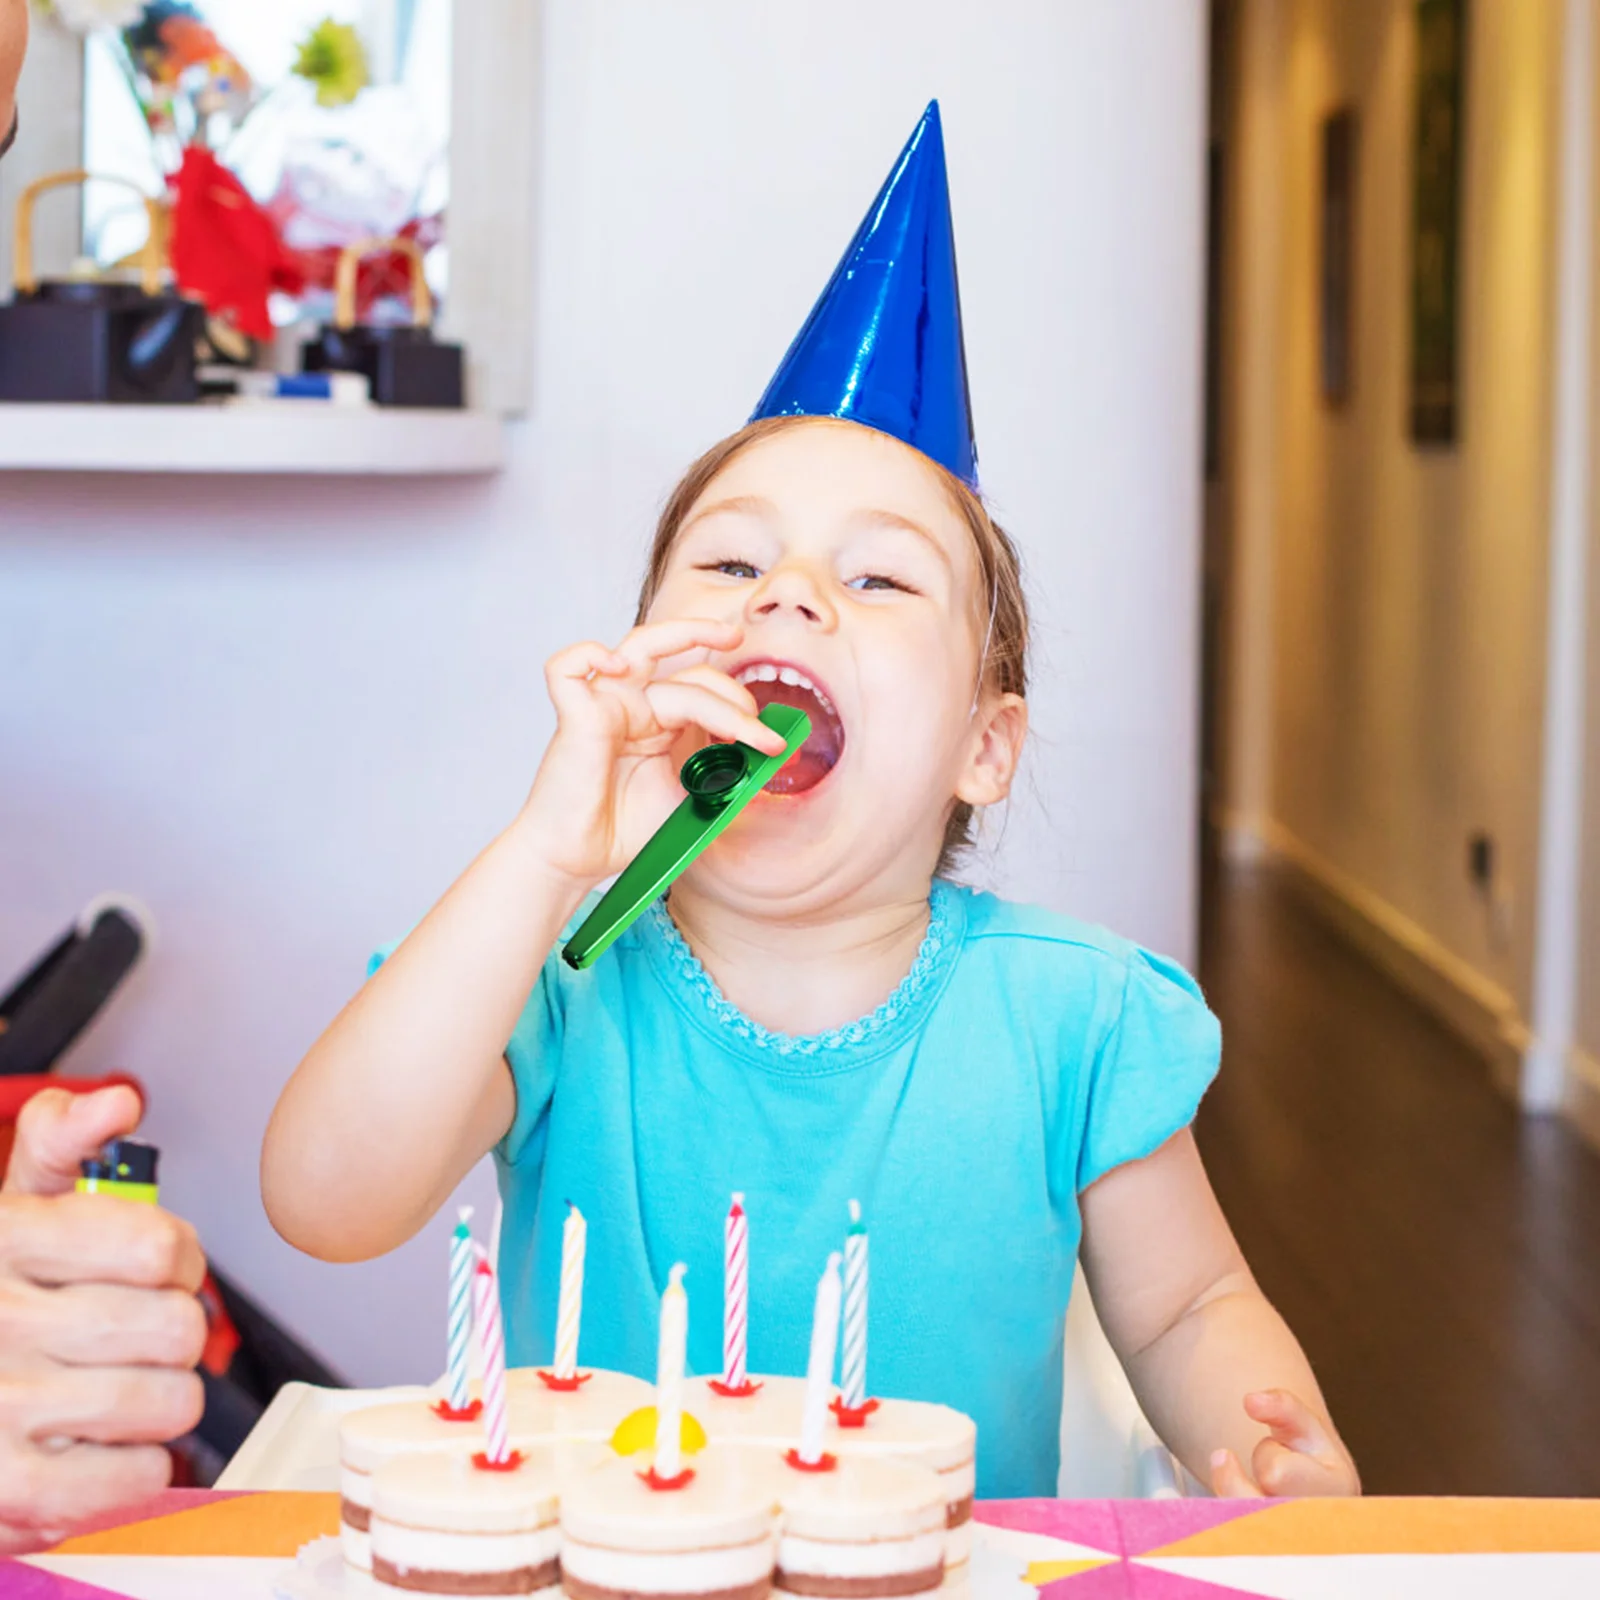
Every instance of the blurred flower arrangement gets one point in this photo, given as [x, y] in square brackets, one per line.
[266, 184]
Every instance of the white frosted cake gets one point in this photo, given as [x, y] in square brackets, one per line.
[441, 1525]
[715, 1536]
[933, 1436]
[870, 1527]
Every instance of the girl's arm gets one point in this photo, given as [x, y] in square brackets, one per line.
[409, 1086]
[1216, 1369]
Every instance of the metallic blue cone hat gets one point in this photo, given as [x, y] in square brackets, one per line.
[882, 345]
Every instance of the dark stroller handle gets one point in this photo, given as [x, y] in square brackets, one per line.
[54, 1001]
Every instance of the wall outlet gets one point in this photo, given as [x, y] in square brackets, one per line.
[1480, 859]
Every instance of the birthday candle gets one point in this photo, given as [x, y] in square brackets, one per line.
[569, 1313]
[459, 1327]
[854, 1375]
[819, 1370]
[670, 1357]
[491, 1342]
[735, 1295]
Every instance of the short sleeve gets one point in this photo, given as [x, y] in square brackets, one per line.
[531, 1053]
[1151, 1070]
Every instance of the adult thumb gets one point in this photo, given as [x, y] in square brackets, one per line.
[57, 1130]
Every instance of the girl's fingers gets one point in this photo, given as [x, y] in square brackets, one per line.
[680, 705]
[1229, 1480]
[1282, 1471]
[567, 674]
[651, 642]
[1292, 1422]
[718, 682]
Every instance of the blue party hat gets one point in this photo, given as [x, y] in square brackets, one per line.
[882, 345]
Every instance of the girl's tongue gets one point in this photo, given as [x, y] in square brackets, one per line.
[818, 756]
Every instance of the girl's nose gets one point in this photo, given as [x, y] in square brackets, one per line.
[791, 588]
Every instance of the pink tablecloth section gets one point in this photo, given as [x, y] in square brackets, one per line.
[1066, 1550]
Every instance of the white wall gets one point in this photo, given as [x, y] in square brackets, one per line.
[284, 713]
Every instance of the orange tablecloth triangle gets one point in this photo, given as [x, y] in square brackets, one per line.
[1419, 1526]
[274, 1524]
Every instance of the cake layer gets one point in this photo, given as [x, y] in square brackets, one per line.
[819, 1558]
[354, 1515]
[863, 1500]
[706, 1570]
[427, 1549]
[356, 1546]
[446, 1491]
[577, 1589]
[523, 1581]
[770, 1416]
[729, 1501]
[958, 1543]
[957, 1513]
[929, 1581]
[916, 1430]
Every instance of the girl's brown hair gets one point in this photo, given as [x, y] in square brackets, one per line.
[1003, 623]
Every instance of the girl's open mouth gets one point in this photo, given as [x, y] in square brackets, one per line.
[779, 682]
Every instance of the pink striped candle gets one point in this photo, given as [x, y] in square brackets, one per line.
[735, 1298]
[499, 1456]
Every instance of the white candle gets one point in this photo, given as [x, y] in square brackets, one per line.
[670, 1358]
[819, 1370]
[569, 1312]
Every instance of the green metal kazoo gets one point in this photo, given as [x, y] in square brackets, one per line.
[721, 781]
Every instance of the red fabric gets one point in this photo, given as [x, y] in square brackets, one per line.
[226, 250]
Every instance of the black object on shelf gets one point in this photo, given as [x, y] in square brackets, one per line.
[96, 339]
[405, 364]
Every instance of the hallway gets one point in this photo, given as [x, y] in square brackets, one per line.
[1438, 1256]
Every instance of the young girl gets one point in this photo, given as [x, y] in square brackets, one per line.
[816, 1012]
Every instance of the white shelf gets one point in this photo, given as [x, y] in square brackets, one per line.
[281, 436]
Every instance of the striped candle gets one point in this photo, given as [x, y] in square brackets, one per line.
[735, 1295]
[819, 1369]
[854, 1375]
[491, 1343]
[459, 1327]
[671, 1356]
[569, 1312]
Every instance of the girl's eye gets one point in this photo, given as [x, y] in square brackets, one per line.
[877, 580]
[731, 568]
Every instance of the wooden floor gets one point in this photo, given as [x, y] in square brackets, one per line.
[1438, 1255]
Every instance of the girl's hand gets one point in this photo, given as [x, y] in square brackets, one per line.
[1298, 1457]
[608, 779]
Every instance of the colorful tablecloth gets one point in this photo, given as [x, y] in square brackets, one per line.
[191, 1544]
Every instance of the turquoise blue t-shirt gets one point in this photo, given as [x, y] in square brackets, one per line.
[1023, 1056]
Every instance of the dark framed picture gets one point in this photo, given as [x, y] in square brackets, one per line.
[1436, 220]
[1337, 253]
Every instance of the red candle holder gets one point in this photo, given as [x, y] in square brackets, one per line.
[733, 1391]
[662, 1485]
[824, 1463]
[486, 1463]
[852, 1416]
[448, 1413]
[564, 1385]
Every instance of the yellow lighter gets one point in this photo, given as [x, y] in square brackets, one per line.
[125, 1167]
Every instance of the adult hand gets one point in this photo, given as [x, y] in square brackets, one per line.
[13, 42]
[100, 1329]
[1298, 1456]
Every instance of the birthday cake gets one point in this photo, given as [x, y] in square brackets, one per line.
[440, 1526]
[714, 1533]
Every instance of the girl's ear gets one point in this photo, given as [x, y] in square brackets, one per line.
[994, 750]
